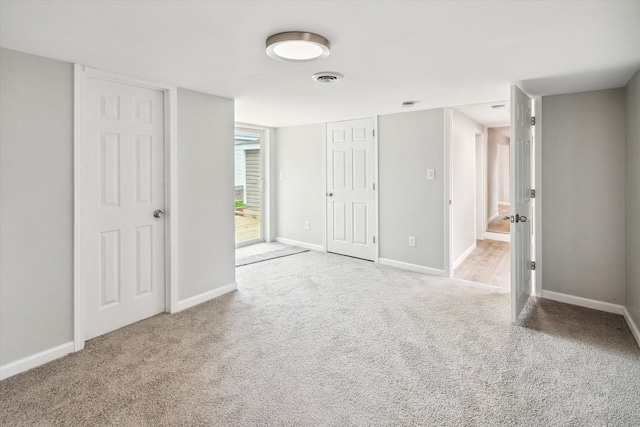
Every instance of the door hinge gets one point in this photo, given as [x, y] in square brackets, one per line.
[374, 239]
[533, 194]
[374, 186]
[533, 265]
[374, 133]
[533, 121]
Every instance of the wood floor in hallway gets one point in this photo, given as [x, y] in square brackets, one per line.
[489, 263]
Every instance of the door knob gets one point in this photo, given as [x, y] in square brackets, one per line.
[521, 218]
[505, 217]
[329, 194]
[158, 213]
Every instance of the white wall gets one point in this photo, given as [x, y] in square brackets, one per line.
[583, 194]
[503, 172]
[411, 205]
[463, 176]
[493, 137]
[632, 197]
[299, 153]
[206, 259]
[36, 204]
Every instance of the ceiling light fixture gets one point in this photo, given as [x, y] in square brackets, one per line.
[298, 46]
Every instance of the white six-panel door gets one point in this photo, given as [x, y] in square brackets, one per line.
[123, 164]
[351, 216]
[521, 146]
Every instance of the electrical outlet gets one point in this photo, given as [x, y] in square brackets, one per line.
[307, 226]
[412, 241]
[281, 176]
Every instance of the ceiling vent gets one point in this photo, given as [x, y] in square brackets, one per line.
[327, 77]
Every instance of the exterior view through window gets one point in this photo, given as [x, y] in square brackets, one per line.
[248, 186]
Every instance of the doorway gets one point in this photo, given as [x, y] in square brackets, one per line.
[479, 253]
[249, 183]
[125, 212]
[351, 198]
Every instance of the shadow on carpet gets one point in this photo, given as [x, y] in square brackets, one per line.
[266, 256]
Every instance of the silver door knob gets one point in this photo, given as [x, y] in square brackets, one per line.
[505, 217]
[329, 194]
[521, 218]
[158, 213]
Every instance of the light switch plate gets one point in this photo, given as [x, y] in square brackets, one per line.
[431, 174]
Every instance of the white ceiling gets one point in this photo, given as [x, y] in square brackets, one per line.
[436, 53]
[487, 115]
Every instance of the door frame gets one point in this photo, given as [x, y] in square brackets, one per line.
[171, 192]
[376, 209]
[537, 201]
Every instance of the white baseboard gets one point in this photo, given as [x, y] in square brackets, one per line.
[584, 302]
[464, 256]
[35, 360]
[411, 267]
[494, 216]
[199, 299]
[632, 325]
[305, 245]
[501, 237]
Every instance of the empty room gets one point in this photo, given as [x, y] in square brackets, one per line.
[319, 213]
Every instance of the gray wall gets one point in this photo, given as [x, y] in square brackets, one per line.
[411, 205]
[583, 181]
[206, 247]
[299, 157]
[632, 168]
[36, 201]
[36, 204]
[463, 183]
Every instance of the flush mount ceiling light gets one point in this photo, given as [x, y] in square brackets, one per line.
[327, 77]
[298, 46]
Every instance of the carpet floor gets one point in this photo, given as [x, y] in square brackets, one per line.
[323, 340]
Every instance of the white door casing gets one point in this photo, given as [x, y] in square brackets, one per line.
[520, 197]
[121, 135]
[350, 199]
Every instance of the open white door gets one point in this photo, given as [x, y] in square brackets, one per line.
[520, 183]
[351, 216]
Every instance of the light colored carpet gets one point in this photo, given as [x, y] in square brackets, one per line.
[266, 256]
[323, 340]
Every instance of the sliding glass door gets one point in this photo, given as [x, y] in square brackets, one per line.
[248, 186]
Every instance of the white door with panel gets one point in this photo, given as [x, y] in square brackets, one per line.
[123, 243]
[520, 183]
[351, 215]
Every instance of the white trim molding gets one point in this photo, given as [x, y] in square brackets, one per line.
[206, 296]
[500, 237]
[412, 267]
[584, 302]
[464, 256]
[35, 360]
[632, 325]
[305, 245]
[171, 192]
[492, 217]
